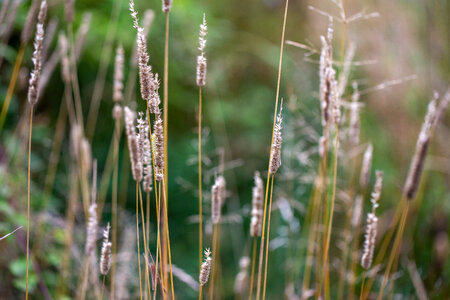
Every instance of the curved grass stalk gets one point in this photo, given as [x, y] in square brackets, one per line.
[261, 250]
[166, 222]
[395, 251]
[362, 285]
[330, 219]
[114, 203]
[386, 242]
[165, 130]
[144, 235]
[213, 268]
[267, 240]
[252, 276]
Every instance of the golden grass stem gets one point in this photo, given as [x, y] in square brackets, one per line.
[166, 222]
[114, 203]
[395, 251]
[252, 276]
[165, 130]
[11, 86]
[362, 285]
[386, 242]
[261, 250]
[137, 237]
[330, 220]
[213, 268]
[28, 197]
[103, 287]
[200, 212]
[144, 235]
[267, 240]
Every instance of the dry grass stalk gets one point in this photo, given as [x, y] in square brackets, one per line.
[257, 206]
[33, 89]
[166, 6]
[158, 148]
[133, 146]
[118, 75]
[372, 223]
[3, 11]
[206, 268]
[69, 10]
[27, 30]
[275, 155]
[241, 281]
[354, 117]
[217, 199]
[201, 59]
[418, 161]
[91, 229]
[365, 168]
[105, 258]
[326, 62]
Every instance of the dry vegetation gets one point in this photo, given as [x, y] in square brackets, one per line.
[337, 214]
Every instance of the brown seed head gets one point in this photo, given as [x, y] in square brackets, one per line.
[257, 206]
[105, 258]
[275, 155]
[206, 268]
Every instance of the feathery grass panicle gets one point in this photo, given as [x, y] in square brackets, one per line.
[145, 152]
[241, 281]
[217, 198]
[27, 30]
[372, 223]
[65, 63]
[105, 258]
[275, 155]
[354, 116]
[201, 59]
[257, 206]
[92, 229]
[82, 33]
[343, 76]
[206, 268]
[326, 62]
[146, 78]
[3, 11]
[370, 239]
[118, 75]
[166, 6]
[33, 89]
[158, 148]
[133, 147]
[322, 146]
[376, 193]
[357, 212]
[365, 168]
[418, 161]
[69, 10]
[147, 162]
[69, 7]
[86, 155]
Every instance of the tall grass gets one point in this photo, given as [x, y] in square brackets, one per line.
[322, 153]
